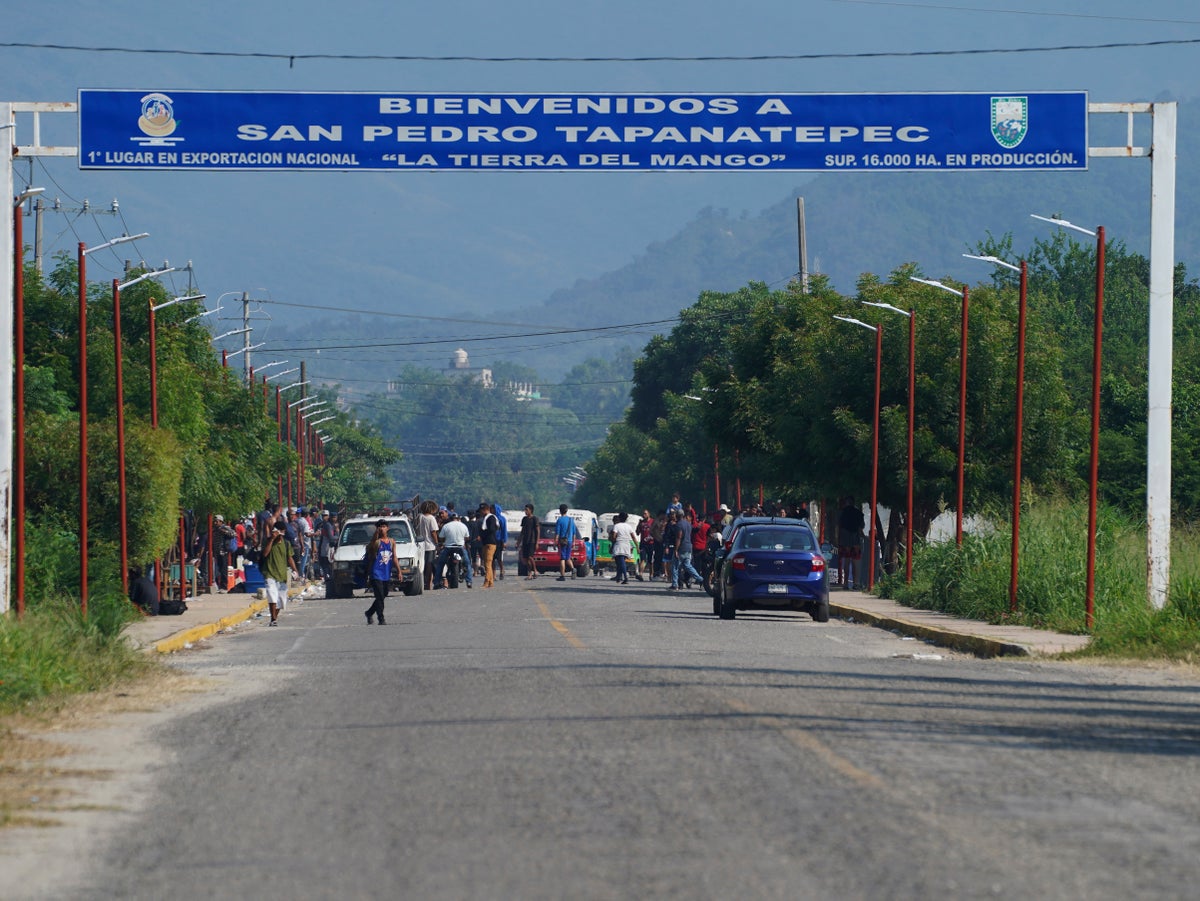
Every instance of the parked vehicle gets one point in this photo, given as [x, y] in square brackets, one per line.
[583, 555]
[604, 558]
[348, 570]
[773, 564]
[719, 553]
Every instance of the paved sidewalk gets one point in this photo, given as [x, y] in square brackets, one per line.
[967, 635]
[207, 614]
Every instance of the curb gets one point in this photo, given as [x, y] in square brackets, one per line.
[179, 640]
[958, 641]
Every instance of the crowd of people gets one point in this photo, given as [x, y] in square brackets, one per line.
[676, 546]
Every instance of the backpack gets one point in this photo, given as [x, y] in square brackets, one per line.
[172, 607]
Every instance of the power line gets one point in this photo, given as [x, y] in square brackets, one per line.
[292, 58]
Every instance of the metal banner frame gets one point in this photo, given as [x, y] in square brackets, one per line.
[1161, 152]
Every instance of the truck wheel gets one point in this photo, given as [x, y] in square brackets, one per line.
[416, 586]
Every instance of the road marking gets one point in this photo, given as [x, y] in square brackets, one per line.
[562, 630]
[806, 741]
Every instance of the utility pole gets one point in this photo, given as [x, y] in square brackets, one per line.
[800, 230]
[246, 338]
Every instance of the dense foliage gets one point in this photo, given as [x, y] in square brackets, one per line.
[215, 449]
[766, 388]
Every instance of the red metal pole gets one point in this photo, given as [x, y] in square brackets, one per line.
[121, 488]
[182, 561]
[717, 477]
[962, 417]
[302, 442]
[1014, 568]
[875, 456]
[912, 394]
[224, 359]
[737, 469]
[19, 413]
[153, 371]
[214, 578]
[83, 448]
[279, 439]
[1094, 470]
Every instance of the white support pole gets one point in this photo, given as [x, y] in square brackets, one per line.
[8, 138]
[1162, 299]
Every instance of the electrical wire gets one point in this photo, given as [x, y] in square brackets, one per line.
[293, 57]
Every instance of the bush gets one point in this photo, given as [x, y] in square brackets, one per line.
[54, 650]
[972, 581]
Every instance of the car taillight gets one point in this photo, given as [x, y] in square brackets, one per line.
[738, 562]
[728, 545]
[818, 564]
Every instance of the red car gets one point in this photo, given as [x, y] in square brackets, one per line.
[547, 557]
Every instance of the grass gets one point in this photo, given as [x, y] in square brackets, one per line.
[53, 651]
[972, 581]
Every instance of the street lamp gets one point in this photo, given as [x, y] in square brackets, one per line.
[19, 387]
[240, 350]
[1022, 293]
[962, 396]
[912, 384]
[269, 365]
[276, 375]
[81, 273]
[1094, 465]
[878, 330]
[117, 287]
[202, 315]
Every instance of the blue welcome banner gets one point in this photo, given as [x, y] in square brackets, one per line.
[265, 130]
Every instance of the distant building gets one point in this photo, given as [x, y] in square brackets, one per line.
[460, 364]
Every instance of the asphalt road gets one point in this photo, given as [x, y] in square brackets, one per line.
[584, 740]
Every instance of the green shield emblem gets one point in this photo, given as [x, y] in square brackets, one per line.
[1010, 120]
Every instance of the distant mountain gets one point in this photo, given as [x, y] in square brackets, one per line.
[856, 223]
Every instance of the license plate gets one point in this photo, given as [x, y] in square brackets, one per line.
[776, 589]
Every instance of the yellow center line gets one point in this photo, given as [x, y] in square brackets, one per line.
[806, 741]
[562, 630]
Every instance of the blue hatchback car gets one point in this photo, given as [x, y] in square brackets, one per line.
[773, 565]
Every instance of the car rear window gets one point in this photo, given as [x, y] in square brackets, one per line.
[546, 530]
[782, 539]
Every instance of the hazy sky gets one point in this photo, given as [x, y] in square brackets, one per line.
[435, 242]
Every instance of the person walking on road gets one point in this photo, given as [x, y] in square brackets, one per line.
[381, 558]
[565, 533]
[623, 538]
[277, 561]
[528, 542]
[489, 537]
[427, 538]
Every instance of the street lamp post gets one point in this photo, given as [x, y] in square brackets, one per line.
[962, 397]
[117, 287]
[912, 384]
[1022, 293]
[878, 330]
[1094, 463]
[81, 273]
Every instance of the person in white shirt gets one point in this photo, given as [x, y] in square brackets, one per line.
[623, 537]
[454, 544]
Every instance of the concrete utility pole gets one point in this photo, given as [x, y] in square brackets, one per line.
[803, 236]
[246, 337]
